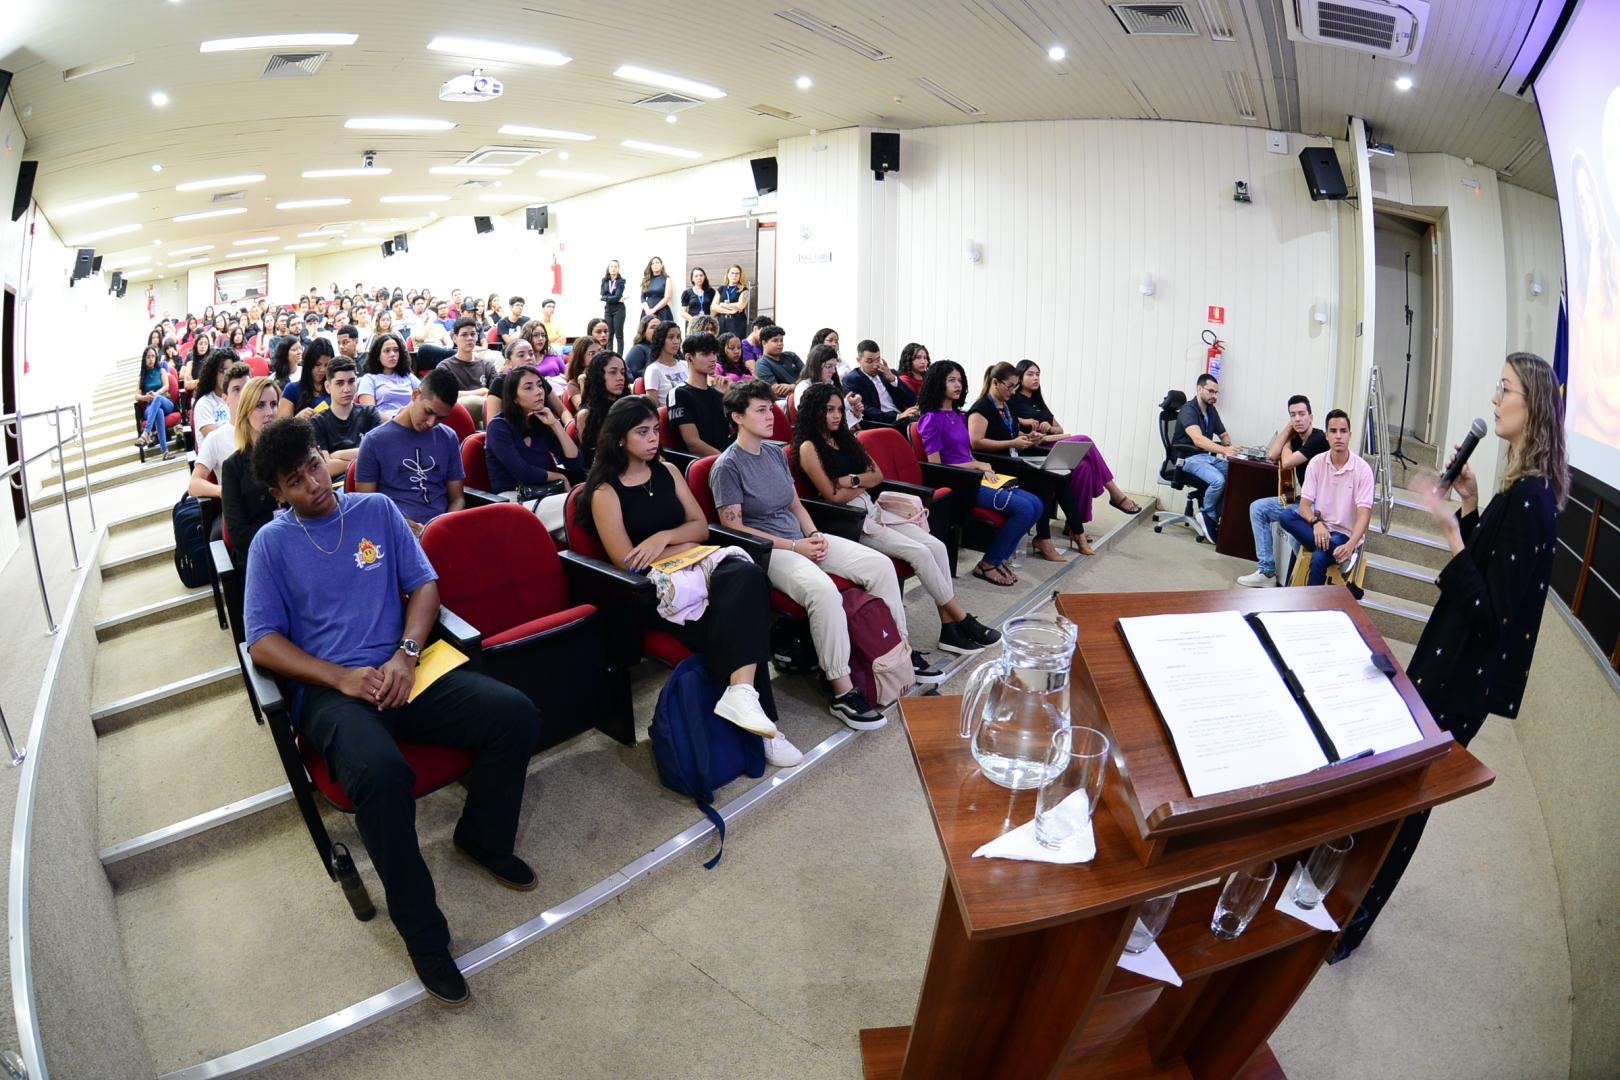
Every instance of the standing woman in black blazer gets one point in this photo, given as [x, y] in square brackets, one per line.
[1474, 655]
[613, 305]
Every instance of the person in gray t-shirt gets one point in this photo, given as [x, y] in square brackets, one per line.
[762, 485]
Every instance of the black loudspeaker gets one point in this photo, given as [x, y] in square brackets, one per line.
[95, 265]
[84, 263]
[400, 246]
[5, 82]
[1323, 177]
[116, 283]
[388, 248]
[26, 171]
[764, 174]
[123, 287]
[483, 224]
[537, 218]
[885, 153]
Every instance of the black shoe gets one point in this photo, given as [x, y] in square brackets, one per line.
[970, 633]
[855, 711]
[441, 978]
[509, 870]
[925, 672]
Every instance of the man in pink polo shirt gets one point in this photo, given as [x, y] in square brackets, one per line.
[1335, 504]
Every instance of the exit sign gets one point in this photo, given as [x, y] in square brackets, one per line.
[1217, 315]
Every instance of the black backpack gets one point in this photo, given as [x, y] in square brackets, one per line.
[191, 558]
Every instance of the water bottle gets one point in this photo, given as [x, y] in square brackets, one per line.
[354, 890]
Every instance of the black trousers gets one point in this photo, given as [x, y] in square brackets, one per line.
[462, 709]
[1057, 493]
[614, 314]
[735, 630]
[1400, 854]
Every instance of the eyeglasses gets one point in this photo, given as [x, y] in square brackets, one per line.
[1500, 388]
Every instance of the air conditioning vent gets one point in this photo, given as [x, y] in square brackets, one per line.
[1379, 27]
[293, 65]
[1237, 85]
[230, 196]
[1155, 20]
[947, 97]
[473, 184]
[835, 34]
[667, 104]
[504, 156]
[772, 111]
[1218, 19]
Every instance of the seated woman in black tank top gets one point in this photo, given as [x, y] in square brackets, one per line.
[642, 511]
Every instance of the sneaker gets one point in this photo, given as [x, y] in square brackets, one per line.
[509, 870]
[740, 705]
[855, 711]
[954, 637]
[979, 633]
[781, 753]
[441, 978]
[925, 672]
[1257, 580]
[1348, 567]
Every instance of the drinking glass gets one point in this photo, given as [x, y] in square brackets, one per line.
[1076, 761]
[1240, 900]
[1150, 923]
[1322, 871]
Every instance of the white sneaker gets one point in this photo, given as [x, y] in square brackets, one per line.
[1257, 580]
[740, 705]
[781, 753]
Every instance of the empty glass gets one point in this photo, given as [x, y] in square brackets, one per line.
[1076, 761]
[1322, 871]
[1240, 901]
[1150, 923]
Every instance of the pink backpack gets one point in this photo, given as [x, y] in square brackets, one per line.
[879, 658]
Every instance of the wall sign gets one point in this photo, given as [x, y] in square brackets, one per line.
[1217, 315]
[815, 257]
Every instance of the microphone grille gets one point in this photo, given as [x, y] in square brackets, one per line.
[1478, 427]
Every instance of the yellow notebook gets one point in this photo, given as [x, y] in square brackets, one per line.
[689, 557]
[437, 659]
[995, 481]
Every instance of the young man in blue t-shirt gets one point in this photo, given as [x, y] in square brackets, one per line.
[323, 608]
[414, 459]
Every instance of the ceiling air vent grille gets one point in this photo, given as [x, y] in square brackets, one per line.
[1156, 20]
[1356, 26]
[1237, 84]
[230, 196]
[1218, 19]
[504, 156]
[666, 103]
[772, 111]
[293, 65]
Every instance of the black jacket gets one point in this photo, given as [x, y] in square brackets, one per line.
[1474, 655]
[859, 382]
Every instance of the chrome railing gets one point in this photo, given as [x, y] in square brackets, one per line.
[1378, 448]
[17, 474]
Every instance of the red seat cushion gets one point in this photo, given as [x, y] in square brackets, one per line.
[989, 517]
[497, 566]
[474, 463]
[790, 607]
[659, 645]
[434, 766]
[664, 647]
[894, 458]
[461, 421]
[538, 626]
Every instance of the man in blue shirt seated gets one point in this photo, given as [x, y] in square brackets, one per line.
[1205, 447]
[414, 459]
[324, 608]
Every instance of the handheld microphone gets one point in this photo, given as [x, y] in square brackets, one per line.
[1476, 432]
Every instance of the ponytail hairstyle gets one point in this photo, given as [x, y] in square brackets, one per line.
[996, 373]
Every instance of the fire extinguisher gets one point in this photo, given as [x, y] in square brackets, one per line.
[1212, 358]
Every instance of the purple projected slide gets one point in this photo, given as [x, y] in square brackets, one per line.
[1578, 92]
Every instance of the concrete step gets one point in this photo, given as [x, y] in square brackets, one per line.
[135, 671]
[127, 473]
[1396, 619]
[104, 458]
[1409, 544]
[138, 537]
[140, 584]
[1402, 579]
[153, 615]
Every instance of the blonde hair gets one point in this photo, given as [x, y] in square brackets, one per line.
[1542, 452]
[742, 275]
[245, 406]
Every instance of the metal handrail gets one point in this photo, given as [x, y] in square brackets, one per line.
[1377, 444]
[17, 475]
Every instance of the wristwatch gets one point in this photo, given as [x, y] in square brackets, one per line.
[410, 648]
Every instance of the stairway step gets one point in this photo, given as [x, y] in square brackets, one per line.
[1401, 578]
[1395, 618]
[136, 669]
[101, 460]
[143, 534]
[140, 586]
[154, 614]
[139, 558]
[1409, 544]
[128, 473]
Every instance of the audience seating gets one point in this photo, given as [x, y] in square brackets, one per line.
[461, 422]
[949, 493]
[640, 386]
[1171, 472]
[668, 441]
[476, 466]
[258, 366]
[808, 495]
[179, 429]
[979, 523]
[782, 431]
[427, 357]
[1301, 572]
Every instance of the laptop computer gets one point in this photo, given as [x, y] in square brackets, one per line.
[1064, 456]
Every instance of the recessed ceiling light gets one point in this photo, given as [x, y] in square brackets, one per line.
[1403, 83]
[117, 230]
[277, 41]
[156, 167]
[469, 170]
[562, 155]
[396, 123]
[159, 98]
[544, 133]
[357, 170]
[255, 240]
[303, 247]
[671, 119]
[219, 182]
[201, 214]
[177, 252]
[1057, 52]
[648, 77]
[803, 82]
[304, 204]
[91, 204]
[414, 198]
[497, 50]
[254, 251]
[568, 174]
[656, 148]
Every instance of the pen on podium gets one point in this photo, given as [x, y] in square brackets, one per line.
[1357, 756]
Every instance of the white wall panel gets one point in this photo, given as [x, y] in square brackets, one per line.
[1532, 244]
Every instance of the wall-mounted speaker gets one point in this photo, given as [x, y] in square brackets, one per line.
[764, 174]
[1323, 177]
[400, 246]
[117, 282]
[885, 153]
[95, 265]
[123, 287]
[387, 248]
[537, 218]
[83, 264]
[483, 225]
[26, 171]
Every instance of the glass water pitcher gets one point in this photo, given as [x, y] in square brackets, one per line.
[1016, 701]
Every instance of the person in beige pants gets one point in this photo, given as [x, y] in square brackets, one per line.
[753, 492]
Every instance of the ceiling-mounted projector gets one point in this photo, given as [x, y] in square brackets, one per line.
[473, 87]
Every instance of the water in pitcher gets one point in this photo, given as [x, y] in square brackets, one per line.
[1018, 700]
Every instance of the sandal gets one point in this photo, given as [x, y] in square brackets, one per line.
[985, 571]
[1120, 506]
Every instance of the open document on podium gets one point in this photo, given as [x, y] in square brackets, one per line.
[1235, 720]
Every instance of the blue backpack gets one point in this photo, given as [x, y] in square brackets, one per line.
[191, 558]
[696, 751]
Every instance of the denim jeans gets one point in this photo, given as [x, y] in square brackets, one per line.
[1263, 513]
[1211, 469]
[157, 423]
[1021, 508]
[1301, 530]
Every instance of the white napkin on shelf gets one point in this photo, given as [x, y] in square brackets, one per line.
[1151, 962]
[1020, 843]
[1316, 916]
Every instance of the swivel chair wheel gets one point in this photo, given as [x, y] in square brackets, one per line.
[1158, 528]
[1201, 540]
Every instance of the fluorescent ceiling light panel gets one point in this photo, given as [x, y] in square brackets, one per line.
[220, 182]
[188, 262]
[255, 251]
[569, 174]
[304, 204]
[201, 214]
[469, 170]
[414, 198]
[177, 252]
[498, 50]
[663, 80]
[277, 41]
[302, 247]
[396, 123]
[117, 230]
[657, 148]
[947, 97]
[836, 34]
[255, 240]
[92, 204]
[544, 133]
[357, 170]
[84, 71]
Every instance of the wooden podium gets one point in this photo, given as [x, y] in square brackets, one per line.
[1022, 978]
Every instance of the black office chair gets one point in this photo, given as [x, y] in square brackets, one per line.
[1171, 473]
